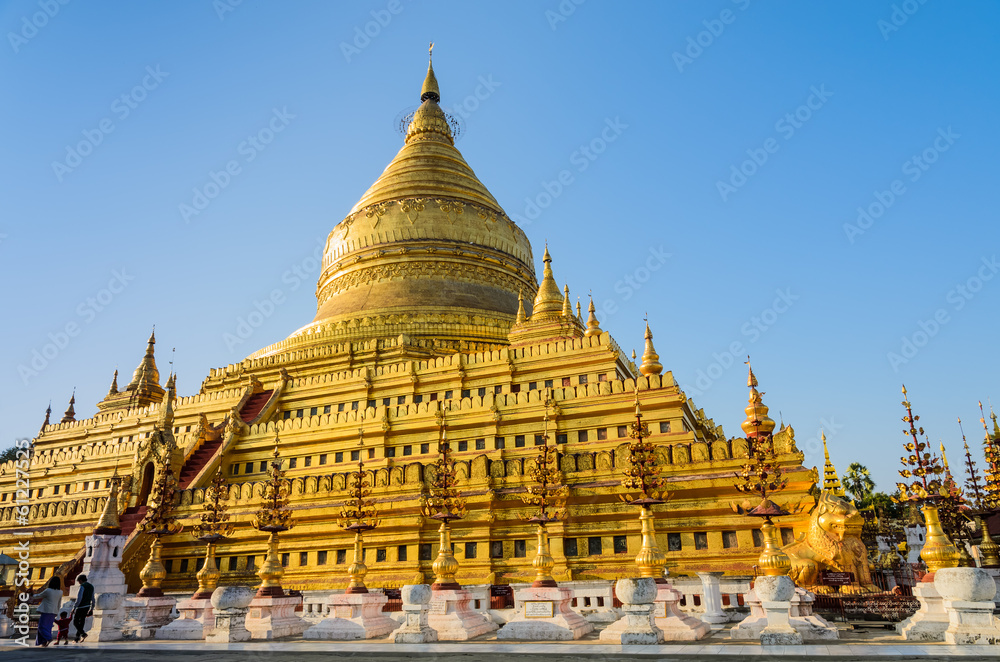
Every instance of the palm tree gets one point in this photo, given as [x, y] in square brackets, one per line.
[858, 483]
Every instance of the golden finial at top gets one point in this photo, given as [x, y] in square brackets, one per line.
[549, 299]
[430, 89]
[650, 359]
[593, 326]
[567, 307]
[757, 421]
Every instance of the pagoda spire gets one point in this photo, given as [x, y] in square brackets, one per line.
[521, 317]
[114, 385]
[579, 311]
[831, 482]
[146, 373]
[45, 423]
[548, 299]
[593, 326]
[70, 415]
[109, 524]
[430, 90]
[650, 359]
[757, 421]
[567, 307]
[429, 121]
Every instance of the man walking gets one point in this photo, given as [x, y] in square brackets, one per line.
[84, 605]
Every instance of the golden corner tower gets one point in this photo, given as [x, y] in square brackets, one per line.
[429, 317]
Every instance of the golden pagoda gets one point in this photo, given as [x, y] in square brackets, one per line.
[427, 306]
[831, 482]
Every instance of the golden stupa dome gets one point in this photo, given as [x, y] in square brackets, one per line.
[427, 252]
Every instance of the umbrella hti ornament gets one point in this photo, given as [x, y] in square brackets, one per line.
[647, 488]
[273, 517]
[214, 528]
[548, 493]
[359, 515]
[444, 502]
[761, 476]
[925, 488]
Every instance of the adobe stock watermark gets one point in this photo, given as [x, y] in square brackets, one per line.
[223, 7]
[814, 444]
[913, 169]
[958, 296]
[87, 310]
[303, 271]
[786, 127]
[363, 35]
[901, 13]
[122, 107]
[714, 27]
[249, 149]
[753, 329]
[470, 104]
[632, 282]
[30, 25]
[580, 159]
[564, 10]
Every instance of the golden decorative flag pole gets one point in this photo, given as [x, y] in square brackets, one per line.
[548, 493]
[159, 522]
[643, 474]
[273, 518]
[924, 468]
[761, 476]
[359, 515]
[213, 529]
[445, 504]
[985, 501]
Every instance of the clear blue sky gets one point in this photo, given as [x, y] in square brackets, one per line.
[661, 194]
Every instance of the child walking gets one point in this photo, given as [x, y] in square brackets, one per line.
[63, 624]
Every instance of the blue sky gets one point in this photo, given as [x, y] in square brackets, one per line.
[713, 156]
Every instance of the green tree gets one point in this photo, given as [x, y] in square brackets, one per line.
[8, 455]
[858, 484]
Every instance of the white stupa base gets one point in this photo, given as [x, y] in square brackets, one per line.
[274, 617]
[452, 617]
[144, 616]
[545, 615]
[353, 616]
[196, 621]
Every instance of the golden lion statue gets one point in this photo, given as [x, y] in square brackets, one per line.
[832, 543]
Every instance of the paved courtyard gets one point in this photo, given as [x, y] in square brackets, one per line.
[854, 645]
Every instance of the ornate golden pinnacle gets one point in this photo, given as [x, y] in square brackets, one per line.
[359, 515]
[444, 503]
[548, 493]
[214, 528]
[273, 517]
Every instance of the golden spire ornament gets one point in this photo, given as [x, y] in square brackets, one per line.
[593, 326]
[761, 476]
[214, 528]
[158, 522]
[650, 359]
[991, 474]
[831, 482]
[548, 300]
[989, 551]
[359, 515]
[108, 523]
[444, 503]
[273, 518]
[548, 492]
[643, 474]
[923, 468]
[521, 317]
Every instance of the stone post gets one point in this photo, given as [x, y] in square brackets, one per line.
[108, 616]
[416, 601]
[637, 625]
[967, 594]
[930, 621]
[230, 605]
[712, 598]
[775, 593]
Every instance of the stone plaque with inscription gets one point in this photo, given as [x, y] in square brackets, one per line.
[539, 609]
